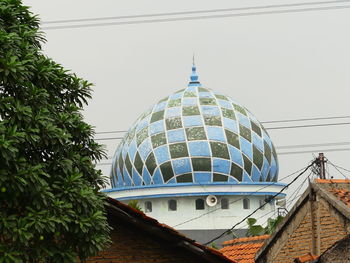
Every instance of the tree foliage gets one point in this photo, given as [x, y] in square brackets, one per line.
[50, 206]
[135, 204]
[258, 230]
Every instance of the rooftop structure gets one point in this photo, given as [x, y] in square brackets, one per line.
[243, 249]
[318, 225]
[196, 151]
[138, 238]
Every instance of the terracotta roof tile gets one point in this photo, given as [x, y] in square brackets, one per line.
[341, 194]
[306, 258]
[153, 223]
[329, 181]
[243, 250]
[245, 239]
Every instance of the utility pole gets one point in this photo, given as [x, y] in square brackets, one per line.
[320, 162]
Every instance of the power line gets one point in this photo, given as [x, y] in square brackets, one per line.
[296, 192]
[290, 200]
[309, 151]
[107, 139]
[268, 128]
[312, 145]
[190, 12]
[335, 166]
[102, 164]
[307, 119]
[106, 132]
[234, 201]
[264, 122]
[198, 17]
[245, 218]
[281, 153]
[308, 125]
[341, 167]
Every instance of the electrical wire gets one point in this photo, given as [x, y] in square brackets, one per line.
[264, 215]
[281, 153]
[290, 200]
[307, 119]
[274, 121]
[301, 146]
[234, 201]
[161, 20]
[190, 12]
[245, 218]
[297, 190]
[106, 132]
[312, 145]
[269, 128]
[338, 169]
[102, 164]
[307, 126]
[309, 151]
[108, 139]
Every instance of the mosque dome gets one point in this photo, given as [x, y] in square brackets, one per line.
[194, 136]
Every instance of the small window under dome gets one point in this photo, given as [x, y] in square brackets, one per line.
[199, 204]
[246, 203]
[148, 206]
[224, 203]
[172, 205]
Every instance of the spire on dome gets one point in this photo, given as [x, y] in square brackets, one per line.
[194, 77]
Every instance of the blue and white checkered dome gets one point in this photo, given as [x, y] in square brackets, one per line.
[194, 136]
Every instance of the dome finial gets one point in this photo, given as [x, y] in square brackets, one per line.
[194, 77]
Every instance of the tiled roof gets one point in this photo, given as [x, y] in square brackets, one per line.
[164, 231]
[335, 181]
[343, 195]
[336, 192]
[243, 250]
[306, 258]
[338, 188]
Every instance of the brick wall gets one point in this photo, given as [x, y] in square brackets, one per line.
[339, 253]
[331, 227]
[132, 246]
[300, 241]
[313, 228]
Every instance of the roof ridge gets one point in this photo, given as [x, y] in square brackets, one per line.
[245, 239]
[327, 181]
[135, 216]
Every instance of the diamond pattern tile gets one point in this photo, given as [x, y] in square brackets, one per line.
[195, 136]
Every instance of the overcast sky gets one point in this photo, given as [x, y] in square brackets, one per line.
[280, 66]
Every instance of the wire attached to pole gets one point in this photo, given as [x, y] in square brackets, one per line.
[271, 198]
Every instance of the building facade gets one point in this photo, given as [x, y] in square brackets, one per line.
[316, 224]
[137, 238]
[197, 161]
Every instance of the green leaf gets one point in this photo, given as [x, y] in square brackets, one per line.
[251, 221]
[48, 180]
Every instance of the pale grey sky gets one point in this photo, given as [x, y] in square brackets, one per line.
[280, 66]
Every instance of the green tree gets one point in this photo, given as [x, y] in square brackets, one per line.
[258, 230]
[50, 206]
[272, 224]
[135, 204]
[254, 230]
